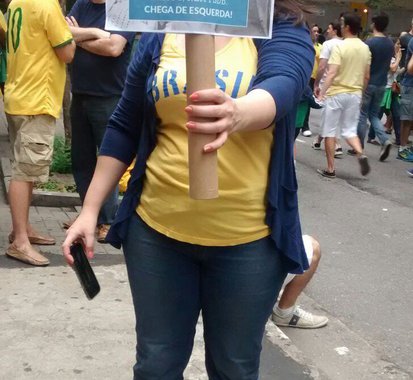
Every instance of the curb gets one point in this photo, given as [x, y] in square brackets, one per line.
[41, 198]
[278, 338]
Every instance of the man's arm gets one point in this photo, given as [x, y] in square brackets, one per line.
[410, 66]
[2, 38]
[332, 73]
[322, 66]
[66, 53]
[109, 47]
[366, 77]
[3, 31]
[85, 34]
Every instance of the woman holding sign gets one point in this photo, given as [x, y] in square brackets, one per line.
[226, 257]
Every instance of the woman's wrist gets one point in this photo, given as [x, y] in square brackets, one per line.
[90, 211]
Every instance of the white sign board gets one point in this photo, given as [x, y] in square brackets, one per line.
[247, 18]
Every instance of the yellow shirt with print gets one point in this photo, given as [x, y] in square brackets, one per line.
[238, 215]
[353, 56]
[36, 77]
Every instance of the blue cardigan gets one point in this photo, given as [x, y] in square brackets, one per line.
[284, 67]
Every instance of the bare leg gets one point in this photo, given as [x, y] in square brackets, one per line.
[330, 146]
[337, 142]
[406, 126]
[389, 122]
[20, 194]
[19, 199]
[297, 285]
[354, 142]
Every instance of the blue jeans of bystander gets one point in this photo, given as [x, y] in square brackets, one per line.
[395, 113]
[370, 109]
[90, 116]
[234, 287]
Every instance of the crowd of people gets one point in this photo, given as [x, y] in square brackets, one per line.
[356, 83]
[236, 259]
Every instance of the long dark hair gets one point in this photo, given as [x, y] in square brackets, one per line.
[295, 9]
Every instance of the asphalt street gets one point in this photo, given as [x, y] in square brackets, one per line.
[364, 281]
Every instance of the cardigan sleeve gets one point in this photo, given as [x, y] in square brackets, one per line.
[285, 63]
[124, 128]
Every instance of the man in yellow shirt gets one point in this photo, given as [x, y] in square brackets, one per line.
[348, 75]
[39, 44]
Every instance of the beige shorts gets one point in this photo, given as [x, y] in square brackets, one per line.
[31, 139]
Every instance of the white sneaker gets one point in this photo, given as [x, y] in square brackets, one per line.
[301, 319]
[307, 133]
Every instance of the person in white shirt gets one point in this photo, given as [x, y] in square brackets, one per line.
[333, 38]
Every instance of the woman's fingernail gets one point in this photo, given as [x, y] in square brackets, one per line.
[194, 96]
[208, 148]
[190, 124]
[188, 109]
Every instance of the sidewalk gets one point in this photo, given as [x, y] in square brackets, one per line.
[50, 330]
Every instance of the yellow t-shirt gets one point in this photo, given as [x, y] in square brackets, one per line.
[317, 48]
[35, 77]
[237, 216]
[353, 56]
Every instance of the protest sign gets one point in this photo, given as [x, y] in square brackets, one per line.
[247, 18]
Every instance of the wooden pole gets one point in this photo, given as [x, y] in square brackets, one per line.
[200, 69]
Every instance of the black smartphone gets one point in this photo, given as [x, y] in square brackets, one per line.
[84, 271]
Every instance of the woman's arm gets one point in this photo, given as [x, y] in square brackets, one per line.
[284, 67]
[224, 115]
[117, 150]
[394, 64]
[107, 174]
[285, 63]
[122, 133]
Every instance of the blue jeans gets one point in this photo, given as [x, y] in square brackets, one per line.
[395, 113]
[234, 287]
[370, 109]
[90, 116]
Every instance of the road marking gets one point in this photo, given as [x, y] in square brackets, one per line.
[301, 141]
[342, 350]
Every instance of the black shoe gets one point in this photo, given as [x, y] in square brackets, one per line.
[364, 165]
[351, 152]
[316, 146]
[373, 142]
[327, 174]
[338, 153]
[385, 150]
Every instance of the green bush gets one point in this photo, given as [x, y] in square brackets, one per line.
[56, 186]
[62, 160]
